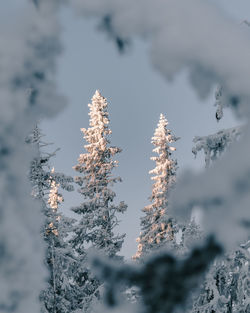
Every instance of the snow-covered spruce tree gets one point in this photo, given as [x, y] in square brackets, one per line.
[59, 260]
[98, 212]
[154, 228]
[58, 297]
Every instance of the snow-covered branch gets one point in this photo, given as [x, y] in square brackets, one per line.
[214, 145]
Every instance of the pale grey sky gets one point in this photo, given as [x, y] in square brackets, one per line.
[136, 95]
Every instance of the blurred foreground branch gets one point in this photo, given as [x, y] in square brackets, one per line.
[165, 282]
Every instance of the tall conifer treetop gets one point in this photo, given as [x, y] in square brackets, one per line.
[98, 211]
[96, 166]
[154, 227]
[98, 151]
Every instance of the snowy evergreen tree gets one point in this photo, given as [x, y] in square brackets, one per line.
[154, 228]
[58, 297]
[98, 212]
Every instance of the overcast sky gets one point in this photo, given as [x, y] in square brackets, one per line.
[136, 95]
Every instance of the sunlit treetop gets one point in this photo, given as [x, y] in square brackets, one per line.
[154, 227]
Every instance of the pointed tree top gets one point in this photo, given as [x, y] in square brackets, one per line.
[162, 116]
[97, 93]
[98, 100]
[163, 120]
